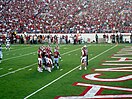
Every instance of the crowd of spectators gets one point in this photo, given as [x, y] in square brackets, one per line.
[36, 39]
[65, 16]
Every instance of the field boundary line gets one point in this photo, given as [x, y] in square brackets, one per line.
[31, 65]
[65, 74]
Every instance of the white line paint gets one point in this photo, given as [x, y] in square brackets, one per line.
[117, 69]
[95, 88]
[122, 54]
[31, 65]
[1, 68]
[122, 57]
[19, 56]
[106, 87]
[94, 77]
[114, 61]
[30, 69]
[92, 91]
[17, 70]
[109, 64]
[10, 68]
[125, 52]
[65, 74]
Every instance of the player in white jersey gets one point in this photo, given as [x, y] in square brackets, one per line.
[84, 61]
[1, 56]
[7, 44]
[49, 64]
[56, 58]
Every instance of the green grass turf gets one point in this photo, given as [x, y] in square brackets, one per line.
[24, 82]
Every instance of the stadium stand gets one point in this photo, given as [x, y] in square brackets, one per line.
[65, 16]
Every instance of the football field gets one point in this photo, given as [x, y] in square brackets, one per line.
[109, 73]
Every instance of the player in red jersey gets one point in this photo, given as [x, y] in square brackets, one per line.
[43, 56]
[56, 58]
[49, 64]
[84, 58]
[40, 69]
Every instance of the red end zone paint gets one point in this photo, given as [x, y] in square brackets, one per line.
[57, 97]
[100, 91]
[85, 91]
[126, 59]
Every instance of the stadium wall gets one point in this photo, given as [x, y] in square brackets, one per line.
[89, 38]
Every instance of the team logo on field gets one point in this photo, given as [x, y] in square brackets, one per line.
[93, 91]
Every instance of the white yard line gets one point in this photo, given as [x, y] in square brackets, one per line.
[122, 57]
[31, 65]
[125, 52]
[19, 56]
[110, 64]
[1, 68]
[122, 54]
[65, 74]
[114, 61]
[17, 70]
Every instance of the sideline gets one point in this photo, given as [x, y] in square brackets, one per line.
[65, 74]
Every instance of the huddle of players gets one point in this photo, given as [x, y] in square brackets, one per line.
[48, 59]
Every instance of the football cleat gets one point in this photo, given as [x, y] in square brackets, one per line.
[80, 68]
[57, 67]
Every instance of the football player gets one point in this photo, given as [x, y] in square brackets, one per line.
[7, 43]
[56, 58]
[43, 56]
[49, 63]
[1, 56]
[84, 58]
[40, 69]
